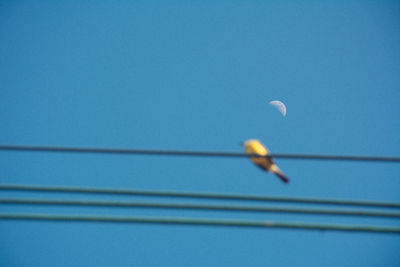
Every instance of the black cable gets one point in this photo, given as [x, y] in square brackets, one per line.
[190, 153]
[201, 222]
[196, 195]
[185, 206]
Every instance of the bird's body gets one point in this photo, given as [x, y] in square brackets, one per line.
[266, 163]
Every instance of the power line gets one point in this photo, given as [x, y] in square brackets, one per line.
[232, 208]
[200, 222]
[196, 195]
[190, 153]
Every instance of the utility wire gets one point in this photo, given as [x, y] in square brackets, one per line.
[232, 208]
[196, 195]
[200, 222]
[190, 153]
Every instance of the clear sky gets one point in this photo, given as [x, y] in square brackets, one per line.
[199, 75]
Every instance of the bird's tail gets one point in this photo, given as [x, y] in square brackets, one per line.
[279, 173]
[282, 176]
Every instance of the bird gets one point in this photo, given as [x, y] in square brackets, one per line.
[266, 163]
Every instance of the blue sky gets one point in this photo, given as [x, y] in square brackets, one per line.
[199, 76]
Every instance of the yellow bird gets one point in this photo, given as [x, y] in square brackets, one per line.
[253, 146]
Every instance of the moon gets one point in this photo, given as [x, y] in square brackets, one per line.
[279, 106]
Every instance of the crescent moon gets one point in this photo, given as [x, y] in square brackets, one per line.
[279, 106]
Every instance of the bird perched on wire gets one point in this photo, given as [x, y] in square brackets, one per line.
[255, 147]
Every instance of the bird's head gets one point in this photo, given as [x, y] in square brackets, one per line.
[245, 143]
